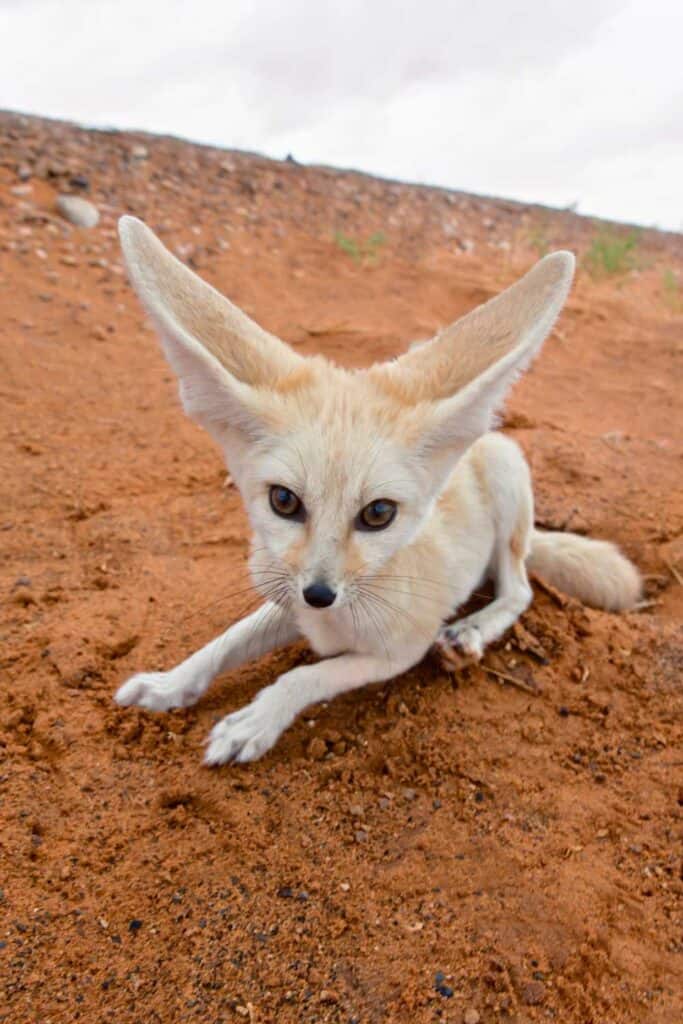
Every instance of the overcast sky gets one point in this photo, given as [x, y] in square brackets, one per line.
[548, 101]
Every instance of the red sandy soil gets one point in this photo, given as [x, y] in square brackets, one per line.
[523, 842]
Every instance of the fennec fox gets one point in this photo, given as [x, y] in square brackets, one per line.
[378, 498]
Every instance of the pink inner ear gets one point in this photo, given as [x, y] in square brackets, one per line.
[519, 317]
[177, 298]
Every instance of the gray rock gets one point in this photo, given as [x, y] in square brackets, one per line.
[78, 211]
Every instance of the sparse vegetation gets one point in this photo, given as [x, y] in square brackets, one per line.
[610, 253]
[366, 252]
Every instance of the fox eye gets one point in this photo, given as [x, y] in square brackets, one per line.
[377, 515]
[285, 503]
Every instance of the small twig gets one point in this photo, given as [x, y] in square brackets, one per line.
[513, 680]
[474, 780]
[560, 600]
[560, 526]
[674, 572]
[644, 605]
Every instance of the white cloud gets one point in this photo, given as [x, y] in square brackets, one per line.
[548, 102]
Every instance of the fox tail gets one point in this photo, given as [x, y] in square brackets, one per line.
[594, 571]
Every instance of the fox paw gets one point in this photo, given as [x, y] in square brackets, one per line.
[464, 638]
[157, 691]
[247, 734]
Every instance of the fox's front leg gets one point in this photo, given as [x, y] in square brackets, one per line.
[248, 733]
[267, 628]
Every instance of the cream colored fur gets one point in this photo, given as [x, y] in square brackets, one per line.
[413, 431]
[595, 571]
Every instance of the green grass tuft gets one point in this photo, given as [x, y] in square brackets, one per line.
[366, 252]
[610, 254]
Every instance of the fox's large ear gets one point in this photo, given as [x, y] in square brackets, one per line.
[221, 357]
[460, 377]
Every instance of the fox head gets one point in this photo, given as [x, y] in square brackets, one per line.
[338, 469]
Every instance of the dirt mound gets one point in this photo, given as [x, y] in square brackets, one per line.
[498, 845]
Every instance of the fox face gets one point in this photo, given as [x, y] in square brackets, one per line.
[338, 469]
[337, 487]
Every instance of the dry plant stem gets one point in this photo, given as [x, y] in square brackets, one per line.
[512, 680]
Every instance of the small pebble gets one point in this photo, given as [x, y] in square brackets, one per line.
[78, 211]
[471, 1016]
[317, 749]
[441, 987]
[533, 993]
[135, 925]
[361, 836]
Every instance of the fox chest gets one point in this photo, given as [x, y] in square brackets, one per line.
[330, 633]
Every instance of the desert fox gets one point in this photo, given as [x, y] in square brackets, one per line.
[378, 498]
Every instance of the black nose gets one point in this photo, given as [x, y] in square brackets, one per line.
[319, 595]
